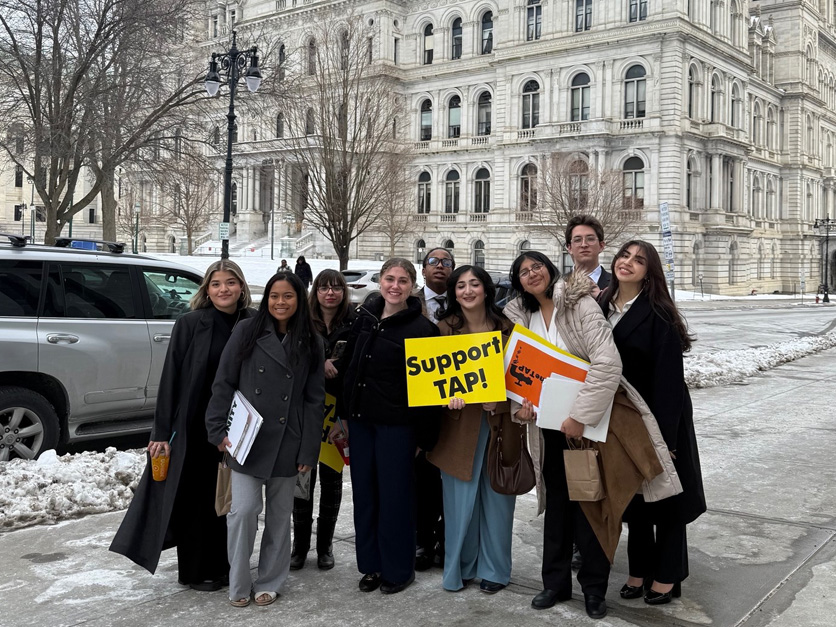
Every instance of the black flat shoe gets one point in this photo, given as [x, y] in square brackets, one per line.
[596, 607]
[370, 582]
[393, 588]
[423, 562]
[631, 592]
[207, 586]
[490, 587]
[325, 561]
[651, 597]
[547, 598]
[297, 561]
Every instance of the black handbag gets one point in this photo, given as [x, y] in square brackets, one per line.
[518, 478]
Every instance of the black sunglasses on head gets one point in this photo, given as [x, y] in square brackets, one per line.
[434, 261]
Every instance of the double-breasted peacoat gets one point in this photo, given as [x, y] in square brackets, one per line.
[652, 356]
[289, 396]
[144, 532]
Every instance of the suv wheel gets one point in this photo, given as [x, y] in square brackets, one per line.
[28, 424]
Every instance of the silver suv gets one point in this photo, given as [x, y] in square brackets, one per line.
[83, 338]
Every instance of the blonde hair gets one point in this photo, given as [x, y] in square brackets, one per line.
[201, 298]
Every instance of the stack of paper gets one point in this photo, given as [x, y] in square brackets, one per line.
[242, 425]
[556, 399]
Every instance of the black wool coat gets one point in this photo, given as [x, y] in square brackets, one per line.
[289, 396]
[143, 534]
[374, 383]
[652, 356]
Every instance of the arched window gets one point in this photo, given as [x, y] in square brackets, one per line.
[533, 20]
[635, 87]
[428, 44]
[309, 122]
[638, 10]
[449, 244]
[483, 114]
[482, 191]
[216, 136]
[487, 33]
[756, 124]
[524, 246]
[731, 204]
[583, 15]
[454, 117]
[810, 136]
[456, 49]
[235, 133]
[734, 18]
[580, 97]
[280, 125]
[282, 59]
[770, 200]
[424, 192]
[311, 57]
[233, 198]
[426, 120]
[578, 186]
[633, 186]
[689, 185]
[344, 49]
[528, 188]
[715, 99]
[735, 107]
[531, 104]
[756, 198]
[420, 250]
[692, 93]
[770, 129]
[451, 192]
[479, 253]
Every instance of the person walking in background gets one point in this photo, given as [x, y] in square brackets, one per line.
[283, 267]
[386, 433]
[181, 510]
[303, 271]
[332, 318]
[564, 313]
[585, 242]
[276, 360]
[477, 520]
[651, 336]
[438, 265]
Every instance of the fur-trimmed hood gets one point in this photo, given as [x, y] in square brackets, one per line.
[572, 288]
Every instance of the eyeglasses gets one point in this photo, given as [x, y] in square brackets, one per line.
[323, 289]
[534, 267]
[589, 239]
[434, 261]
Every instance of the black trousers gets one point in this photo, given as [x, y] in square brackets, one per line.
[330, 498]
[662, 556]
[566, 523]
[384, 499]
[429, 506]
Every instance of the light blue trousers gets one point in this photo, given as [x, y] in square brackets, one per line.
[477, 524]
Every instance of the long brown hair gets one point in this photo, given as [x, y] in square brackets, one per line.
[453, 311]
[655, 287]
[201, 298]
[333, 278]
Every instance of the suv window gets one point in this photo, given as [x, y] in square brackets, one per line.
[169, 292]
[21, 287]
[352, 275]
[98, 291]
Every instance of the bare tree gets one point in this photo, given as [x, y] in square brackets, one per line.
[396, 219]
[342, 132]
[567, 187]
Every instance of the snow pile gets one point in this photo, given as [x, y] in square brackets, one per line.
[711, 369]
[55, 488]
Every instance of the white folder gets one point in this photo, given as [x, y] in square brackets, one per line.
[557, 396]
[243, 425]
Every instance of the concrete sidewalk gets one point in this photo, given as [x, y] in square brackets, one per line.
[762, 556]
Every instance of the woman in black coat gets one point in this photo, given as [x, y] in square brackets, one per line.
[275, 360]
[332, 317]
[303, 271]
[180, 511]
[651, 337]
[385, 431]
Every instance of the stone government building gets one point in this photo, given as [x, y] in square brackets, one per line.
[723, 109]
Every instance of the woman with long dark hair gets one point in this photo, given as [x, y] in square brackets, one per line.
[477, 520]
[563, 312]
[651, 336]
[276, 361]
[332, 318]
[385, 432]
[181, 510]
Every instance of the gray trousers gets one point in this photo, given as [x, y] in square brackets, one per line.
[242, 524]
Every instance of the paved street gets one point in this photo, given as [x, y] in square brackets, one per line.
[762, 556]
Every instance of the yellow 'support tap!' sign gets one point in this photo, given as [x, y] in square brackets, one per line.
[469, 366]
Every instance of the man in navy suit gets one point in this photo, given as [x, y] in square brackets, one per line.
[585, 241]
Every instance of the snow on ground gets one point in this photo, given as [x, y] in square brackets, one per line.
[54, 488]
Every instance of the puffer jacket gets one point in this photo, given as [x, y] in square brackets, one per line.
[588, 335]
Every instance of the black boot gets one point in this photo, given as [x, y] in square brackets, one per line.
[324, 539]
[301, 545]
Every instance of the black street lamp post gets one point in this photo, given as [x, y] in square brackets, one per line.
[232, 64]
[825, 225]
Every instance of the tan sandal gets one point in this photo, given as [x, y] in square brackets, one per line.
[261, 601]
[239, 602]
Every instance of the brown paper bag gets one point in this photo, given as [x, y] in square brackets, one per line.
[583, 475]
[223, 489]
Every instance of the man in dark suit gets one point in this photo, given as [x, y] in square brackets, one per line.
[585, 241]
[438, 265]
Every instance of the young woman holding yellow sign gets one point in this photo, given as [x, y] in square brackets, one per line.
[477, 520]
